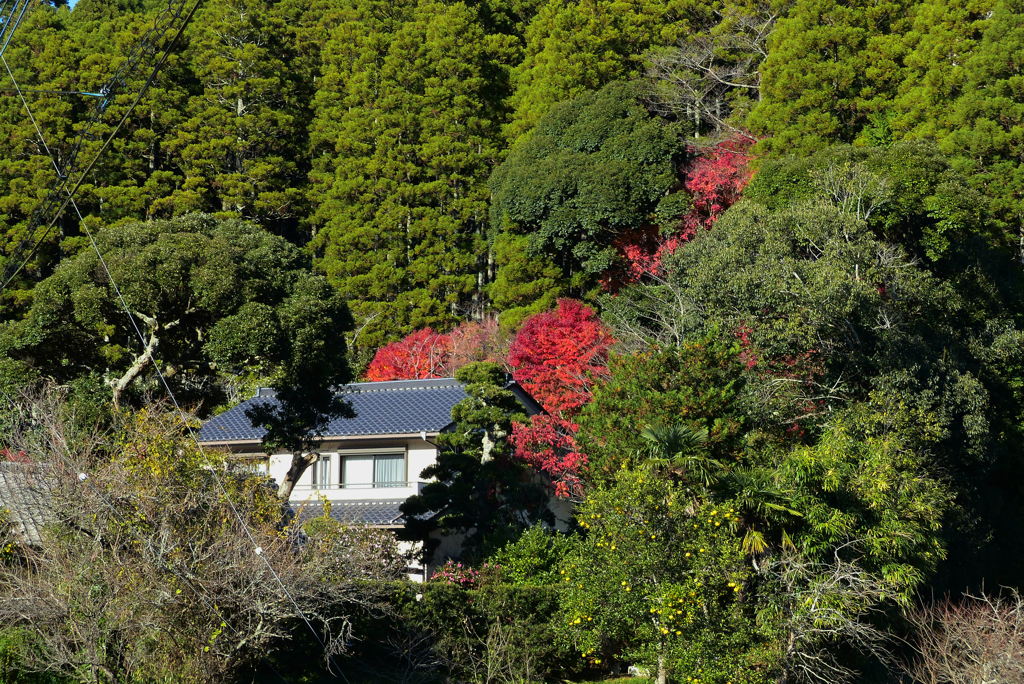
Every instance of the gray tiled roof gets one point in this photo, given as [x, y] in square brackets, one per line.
[381, 408]
[368, 512]
[25, 499]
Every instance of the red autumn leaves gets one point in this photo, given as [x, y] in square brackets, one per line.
[715, 179]
[556, 356]
[429, 354]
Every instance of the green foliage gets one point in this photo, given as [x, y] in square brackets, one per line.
[988, 119]
[595, 167]
[406, 121]
[14, 643]
[49, 51]
[479, 492]
[699, 385]
[193, 285]
[311, 365]
[828, 313]
[236, 147]
[934, 74]
[873, 74]
[659, 580]
[533, 558]
[525, 283]
[498, 632]
[572, 47]
[852, 516]
[830, 74]
[864, 480]
[908, 193]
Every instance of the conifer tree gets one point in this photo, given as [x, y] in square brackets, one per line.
[830, 74]
[136, 176]
[943, 33]
[407, 128]
[988, 119]
[44, 56]
[582, 45]
[238, 149]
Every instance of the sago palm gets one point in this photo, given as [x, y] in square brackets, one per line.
[679, 449]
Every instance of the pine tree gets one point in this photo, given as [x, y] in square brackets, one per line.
[943, 35]
[44, 56]
[830, 74]
[238, 149]
[988, 119]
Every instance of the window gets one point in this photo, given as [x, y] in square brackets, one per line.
[320, 473]
[372, 470]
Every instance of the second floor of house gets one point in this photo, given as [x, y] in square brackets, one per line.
[377, 454]
[364, 469]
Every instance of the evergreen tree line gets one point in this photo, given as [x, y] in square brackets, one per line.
[364, 131]
[367, 132]
[791, 405]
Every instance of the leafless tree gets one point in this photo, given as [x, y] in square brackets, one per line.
[853, 189]
[699, 79]
[977, 639]
[497, 651]
[159, 560]
[824, 605]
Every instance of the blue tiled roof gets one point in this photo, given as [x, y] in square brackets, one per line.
[25, 499]
[381, 408]
[363, 512]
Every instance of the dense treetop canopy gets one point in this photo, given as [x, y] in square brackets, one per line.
[759, 260]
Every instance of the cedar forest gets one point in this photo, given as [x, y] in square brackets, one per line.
[760, 261]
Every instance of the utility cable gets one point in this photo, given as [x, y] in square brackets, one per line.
[187, 580]
[44, 91]
[131, 318]
[257, 549]
[138, 332]
[11, 24]
[149, 45]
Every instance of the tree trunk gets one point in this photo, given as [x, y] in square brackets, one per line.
[662, 671]
[300, 462]
[143, 360]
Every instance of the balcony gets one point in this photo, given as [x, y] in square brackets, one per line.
[357, 490]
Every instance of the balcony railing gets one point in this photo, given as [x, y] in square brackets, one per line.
[360, 485]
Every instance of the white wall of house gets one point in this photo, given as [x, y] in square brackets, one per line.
[367, 469]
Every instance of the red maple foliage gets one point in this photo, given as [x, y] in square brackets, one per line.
[548, 444]
[428, 354]
[422, 354]
[715, 180]
[558, 354]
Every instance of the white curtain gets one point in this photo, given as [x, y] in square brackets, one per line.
[389, 470]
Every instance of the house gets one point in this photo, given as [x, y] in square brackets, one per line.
[25, 505]
[370, 463]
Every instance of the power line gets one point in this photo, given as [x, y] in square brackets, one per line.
[11, 23]
[174, 400]
[57, 200]
[44, 91]
[134, 324]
